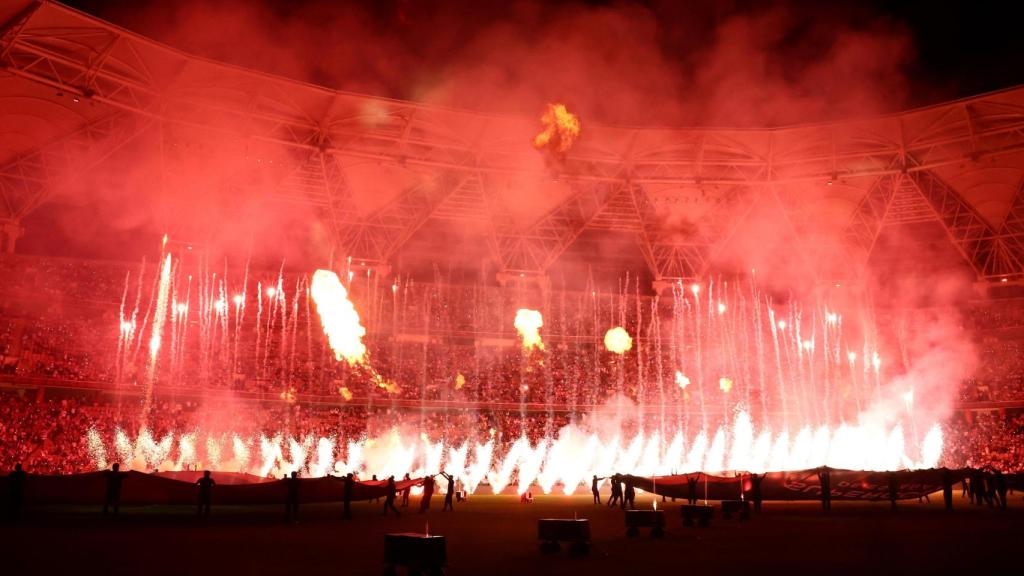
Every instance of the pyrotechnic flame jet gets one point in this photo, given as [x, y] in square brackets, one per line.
[341, 324]
[528, 323]
[338, 317]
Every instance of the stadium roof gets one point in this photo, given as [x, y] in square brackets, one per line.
[74, 90]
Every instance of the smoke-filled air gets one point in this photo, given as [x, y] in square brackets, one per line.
[524, 246]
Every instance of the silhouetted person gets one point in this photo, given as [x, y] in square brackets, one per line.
[691, 484]
[755, 490]
[205, 488]
[894, 489]
[963, 489]
[346, 494]
[450, 493]
[999, 482]
[595, 490]
[978, 486]
[389, 497]
[990, 491]
[616, 497]
[825, 480]
[16, 482]
[114, 480]
[947, 489]
[428, 492]
[406, 491]
[377, 499]
[291, 509]
[629, 499]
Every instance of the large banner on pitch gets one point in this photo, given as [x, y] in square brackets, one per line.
[138, 488]
[802, 484]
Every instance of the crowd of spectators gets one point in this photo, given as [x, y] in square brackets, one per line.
[61, 323]
[981, 439]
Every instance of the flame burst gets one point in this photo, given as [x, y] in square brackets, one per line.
[383, 383]
[528, 323]
[682, 380]
[561, 128]
[617, 340]
[569, 456]
[338, 317]
[460, 381]
[725, 384]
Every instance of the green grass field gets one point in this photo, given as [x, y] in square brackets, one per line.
[497, 535]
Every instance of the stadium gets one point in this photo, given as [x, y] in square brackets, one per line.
[333, 297]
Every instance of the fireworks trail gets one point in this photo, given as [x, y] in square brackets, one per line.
[156, 334]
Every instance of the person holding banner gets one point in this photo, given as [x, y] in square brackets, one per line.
[894, 489]
[691, 483]
[628, 502]
[348, 482]
[16, 481]
[450, 493]
[947, 489]
[406, 492]
[428, 492]
[114, 480]
[825, 480]
[755, 490]
[205, 488]
[616, 498]
[389, 498]
[291, 505]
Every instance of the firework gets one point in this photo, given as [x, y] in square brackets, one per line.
[339, 317]
[561, 128]
[681, 380]
[528, 324]
[617, 340]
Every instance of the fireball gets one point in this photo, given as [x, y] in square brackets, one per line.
[528, 323]
[682, 380]
[617, 340]
[561, 128]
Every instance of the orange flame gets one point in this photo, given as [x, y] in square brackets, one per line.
[528, 323]
[338, 317]
[561, 128]
[384, 384]
[617, 340]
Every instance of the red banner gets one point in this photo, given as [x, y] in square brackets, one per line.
[180, 488]
[804, 484]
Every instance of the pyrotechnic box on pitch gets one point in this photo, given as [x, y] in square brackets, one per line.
[551, 531]
[559, 530]
[653, 519]
[730, 507]
[420, 551]
[700, 514]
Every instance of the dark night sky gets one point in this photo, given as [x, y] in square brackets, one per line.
[957, 48]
